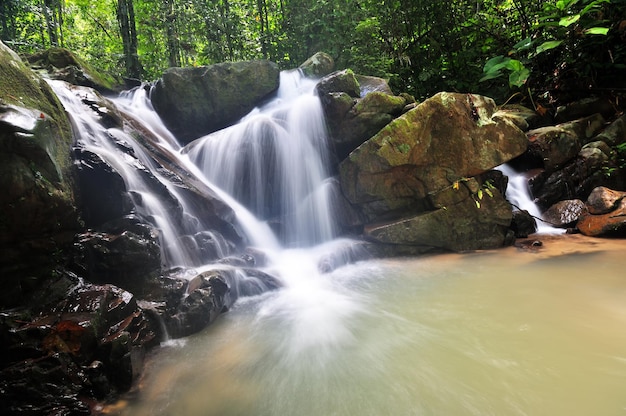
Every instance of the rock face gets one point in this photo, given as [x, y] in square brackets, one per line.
[194, 102]
[38, 208]
[425, 168]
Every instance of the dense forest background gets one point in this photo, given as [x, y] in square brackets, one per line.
[533, 49]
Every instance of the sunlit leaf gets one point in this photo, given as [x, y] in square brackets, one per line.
[569, 20]
[546, 46]
[480, 194]
[597, 31]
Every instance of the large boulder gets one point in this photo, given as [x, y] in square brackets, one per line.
[194, 102]
[433, 158]
[37, 208]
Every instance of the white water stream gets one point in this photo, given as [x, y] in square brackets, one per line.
[498, 333]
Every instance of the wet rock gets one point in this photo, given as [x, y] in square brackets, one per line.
[194, 102]
[103, 193]
[207, 298]
[565, 214]
[87, 344]
[131, 260]
[523, 224]
[318, 65]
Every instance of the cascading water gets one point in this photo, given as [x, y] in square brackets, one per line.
[275, 162]
[518, 193]
[462, 334]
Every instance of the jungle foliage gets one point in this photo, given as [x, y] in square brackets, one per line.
[536, 48]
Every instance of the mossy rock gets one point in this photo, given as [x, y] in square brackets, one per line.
[37, 209]
[62, 64]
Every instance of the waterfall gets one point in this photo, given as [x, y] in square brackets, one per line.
[275, 162]
[518, 193]
[270, 168]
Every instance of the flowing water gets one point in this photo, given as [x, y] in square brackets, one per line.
[498, 333]
[508, 332]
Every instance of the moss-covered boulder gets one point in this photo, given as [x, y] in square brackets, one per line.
[37, 209]
[60, 63]
[433, 158]
[356, 110]
[318, 65]
[194, 102]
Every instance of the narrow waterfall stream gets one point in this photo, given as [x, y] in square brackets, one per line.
[493, 333]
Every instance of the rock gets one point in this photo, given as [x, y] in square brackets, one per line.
[340, 81]
[208, 297]
[565, 214]
[194, 102]
[131, 260]
[523, 224]
[88, 344]
[461, 227]
[611, 224]
[38, 216]
[584, 108]
[575, 180]
[416, 162]
[318, 65]
[604, 200]
[62, 64]
[615, 133]
[552, 147]
[369, 84]
[523, 117]
[363, 120]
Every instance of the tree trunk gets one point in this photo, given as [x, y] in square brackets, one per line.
[126, 20]
[173, 46]
[50, 25]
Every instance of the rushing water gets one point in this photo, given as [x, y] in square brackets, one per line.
[499, 333]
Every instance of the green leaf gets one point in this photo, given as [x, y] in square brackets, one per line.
[569, 20]
[546, 46]
[515, 65]
[522, 45]
[518, 78]
[597, 31]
